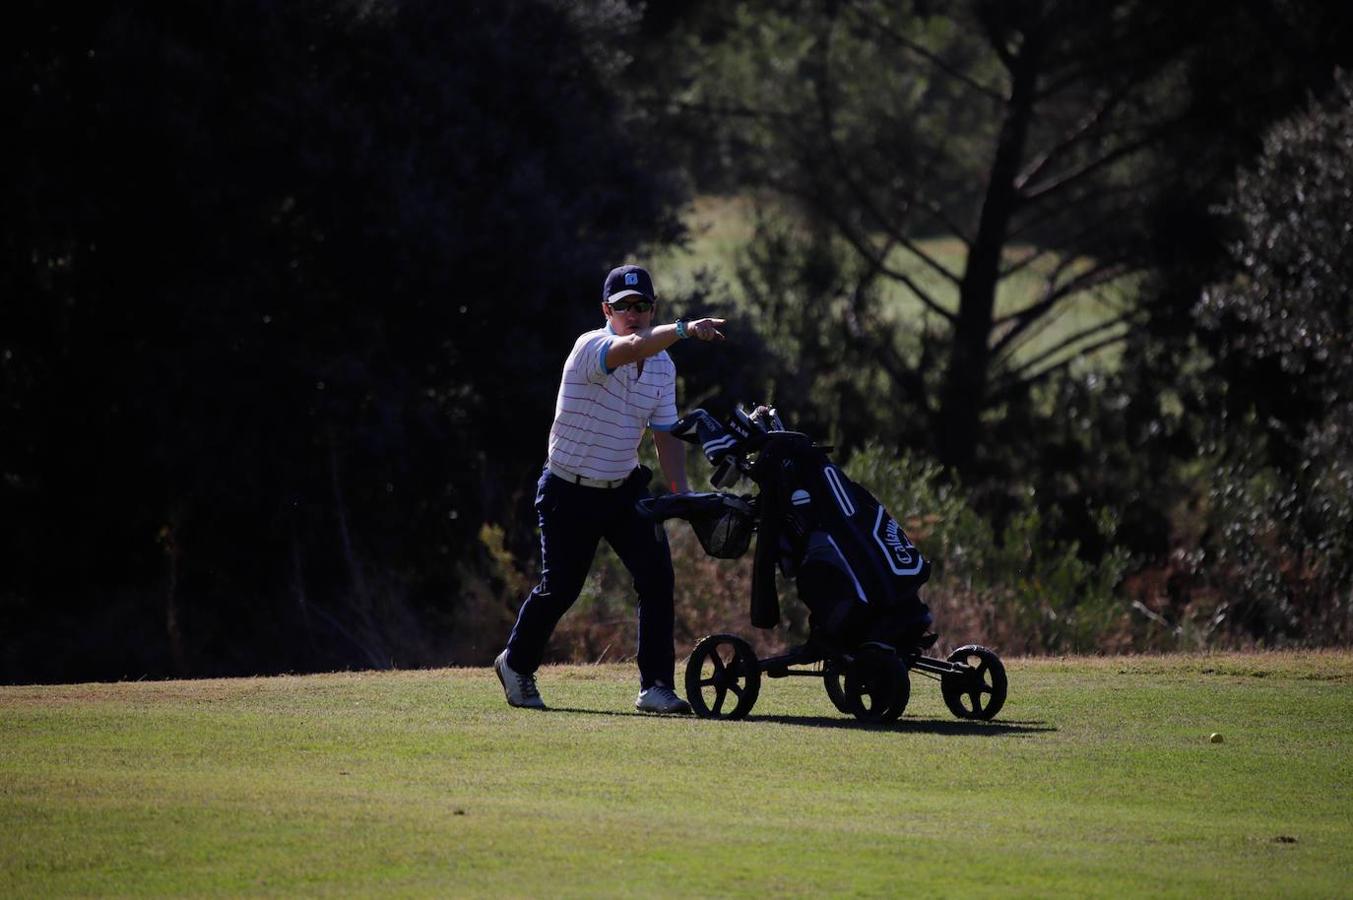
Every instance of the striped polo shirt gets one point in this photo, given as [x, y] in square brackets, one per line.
[600, 414]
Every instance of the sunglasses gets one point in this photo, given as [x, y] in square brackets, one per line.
[639, 306]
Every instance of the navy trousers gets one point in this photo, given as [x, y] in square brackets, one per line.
[573, 519]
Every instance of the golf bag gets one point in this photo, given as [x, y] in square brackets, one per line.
[855, 568]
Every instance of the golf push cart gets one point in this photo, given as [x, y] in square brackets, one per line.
[856, 571]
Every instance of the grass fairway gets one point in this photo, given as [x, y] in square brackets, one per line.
[1097, 779]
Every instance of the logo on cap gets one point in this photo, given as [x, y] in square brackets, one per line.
[631, 278]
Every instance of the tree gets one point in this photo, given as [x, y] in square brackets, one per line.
[1073, 143]
[1281, 328]
[284, 285]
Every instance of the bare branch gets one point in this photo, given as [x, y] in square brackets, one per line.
[929, 56]
[1069, 140]
[996, 41]
[1072, 205]
[1065, 180]
[861, 195]
[1082, 335]
[864, 197]
[1060, 183]
[1102, 273]
[1024, 262]
[1026, 318]
[897, 275]
[863, 246]
[878, 340]
[940, 215]
[1141, 65]
[1018, 384]
[915, 249]
[861, 243]
[1096, 275]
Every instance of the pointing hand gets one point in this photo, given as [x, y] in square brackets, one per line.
[706, 329]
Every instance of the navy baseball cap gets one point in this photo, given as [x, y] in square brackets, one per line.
[627, 281]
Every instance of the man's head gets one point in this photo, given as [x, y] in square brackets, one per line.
[627, 299]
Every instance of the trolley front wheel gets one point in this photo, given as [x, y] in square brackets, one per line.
[979, 691]
[722, 677]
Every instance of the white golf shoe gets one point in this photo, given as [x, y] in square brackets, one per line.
[520, 689]
[660, 699]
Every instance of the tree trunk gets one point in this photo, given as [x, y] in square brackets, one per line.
[963, 396]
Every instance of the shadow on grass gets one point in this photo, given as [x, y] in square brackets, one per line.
[615, 712]
[905, 725]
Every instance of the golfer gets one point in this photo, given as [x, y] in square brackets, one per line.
[617, 382]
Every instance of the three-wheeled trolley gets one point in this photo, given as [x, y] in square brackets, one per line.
[855, 569]
[870, 682]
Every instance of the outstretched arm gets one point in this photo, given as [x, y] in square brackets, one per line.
[643, 344]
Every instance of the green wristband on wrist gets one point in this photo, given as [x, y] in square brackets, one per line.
[681, 329]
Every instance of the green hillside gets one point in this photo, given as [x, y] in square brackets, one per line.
[722, 227]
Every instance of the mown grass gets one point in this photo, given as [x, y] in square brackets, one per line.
[1098, 779]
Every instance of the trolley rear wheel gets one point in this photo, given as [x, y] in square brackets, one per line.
[876, 687]
[834, 680]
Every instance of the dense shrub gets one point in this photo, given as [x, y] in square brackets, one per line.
[1014, 585]
[1278, 552]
